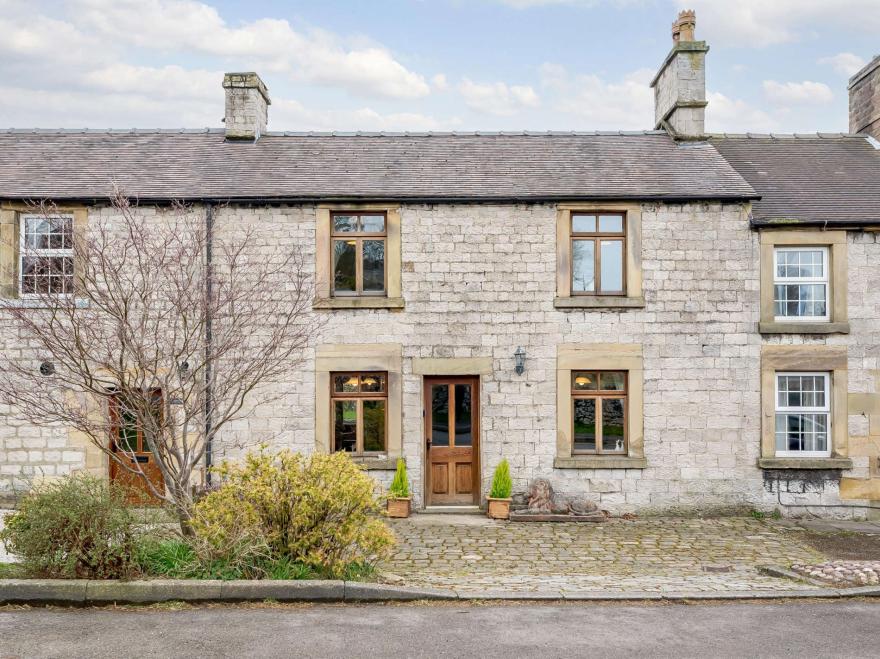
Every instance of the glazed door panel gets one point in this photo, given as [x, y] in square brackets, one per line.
[452, 438]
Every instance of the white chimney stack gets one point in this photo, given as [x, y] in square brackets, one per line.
[247, 106]
[680, 85]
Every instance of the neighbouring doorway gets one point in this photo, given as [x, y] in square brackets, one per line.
[128, 444]
[452, 437]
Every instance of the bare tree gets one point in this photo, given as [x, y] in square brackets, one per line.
[145, 325]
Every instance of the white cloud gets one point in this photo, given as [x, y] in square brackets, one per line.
[530, 4]
[293, 115]
[317, 56]
[762, 23]
[497, 98]
[170, 82]
[627, 104]
[844, 63]
[729, 115]
[72, 108]
[797, 93]
[439, 82]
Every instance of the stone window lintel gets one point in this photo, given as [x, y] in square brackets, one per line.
[601, 357]
[835, 240]
[634, 298]
[393, 298]
[806, 358]
[330, 358]
[10, 213]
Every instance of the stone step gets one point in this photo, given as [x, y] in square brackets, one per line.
[451, 510]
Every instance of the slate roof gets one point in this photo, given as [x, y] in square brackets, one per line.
[808, 179]
[190, 165]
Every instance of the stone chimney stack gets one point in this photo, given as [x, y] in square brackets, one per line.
[864, 100]
[247, 106]
[680, 84]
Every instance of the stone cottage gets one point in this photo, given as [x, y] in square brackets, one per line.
[664, 320]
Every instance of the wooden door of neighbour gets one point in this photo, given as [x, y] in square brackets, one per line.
[452, 434]
[128, 444]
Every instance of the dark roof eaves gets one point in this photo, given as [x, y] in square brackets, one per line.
[777, 222]
[415, 199]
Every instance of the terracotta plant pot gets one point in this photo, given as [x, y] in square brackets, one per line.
[498, 508]
[399, 507]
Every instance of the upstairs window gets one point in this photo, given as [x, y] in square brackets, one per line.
[358, 253]
[803, 414]
[599, 412]
[598, 253]
[46, 255]
[801, 284]
[359, 404]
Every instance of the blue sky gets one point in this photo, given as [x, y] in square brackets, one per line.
[774, 65]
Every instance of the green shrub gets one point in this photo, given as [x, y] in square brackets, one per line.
[400, 485]
[77, 527]
[502, 485]
[319, 512]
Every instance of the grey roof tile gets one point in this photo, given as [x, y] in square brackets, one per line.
[184, 164]
[821, 178]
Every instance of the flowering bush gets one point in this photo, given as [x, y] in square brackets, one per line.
[319, 511]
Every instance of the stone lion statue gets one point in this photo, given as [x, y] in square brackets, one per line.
[543, 500]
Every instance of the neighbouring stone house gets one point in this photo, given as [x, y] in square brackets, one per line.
[665, 320]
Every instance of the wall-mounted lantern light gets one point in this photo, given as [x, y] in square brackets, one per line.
[519, 358]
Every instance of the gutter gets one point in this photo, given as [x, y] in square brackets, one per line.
[870, 224]
[312, 199]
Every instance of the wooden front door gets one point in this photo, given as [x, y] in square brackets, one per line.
[452, 434]
[128, 445]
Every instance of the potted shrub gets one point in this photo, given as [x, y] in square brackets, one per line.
[399, 499]
[499, 494]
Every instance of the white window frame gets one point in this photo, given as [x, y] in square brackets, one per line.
[825, 409]
[825, 279]
[24, 250]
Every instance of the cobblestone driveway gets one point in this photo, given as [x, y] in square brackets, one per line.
[471, 553]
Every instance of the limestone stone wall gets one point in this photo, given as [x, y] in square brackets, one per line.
[864, 100]
[681, 84]
[480, 280]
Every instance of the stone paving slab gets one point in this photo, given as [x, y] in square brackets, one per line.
[657, 555]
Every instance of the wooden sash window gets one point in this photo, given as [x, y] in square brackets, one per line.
[599, 410]
[46, 255]
[598, 253]
[359, 403]
[358, 253]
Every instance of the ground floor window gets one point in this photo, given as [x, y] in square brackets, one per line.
[803, 414]
[599, 412]
[359, 403]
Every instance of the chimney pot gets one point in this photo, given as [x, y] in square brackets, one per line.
[247, 106]
[684, 26]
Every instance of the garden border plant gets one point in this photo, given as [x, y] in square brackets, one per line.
[75, 527]
[399, 499]
[499, 494]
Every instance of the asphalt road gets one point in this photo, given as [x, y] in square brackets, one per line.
[779, 629]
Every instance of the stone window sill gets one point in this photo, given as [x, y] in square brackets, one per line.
[378, 463]
[803, 328]
[600, 462]
[599, 302]
[36, 303]
[358, 303]
[805, 463]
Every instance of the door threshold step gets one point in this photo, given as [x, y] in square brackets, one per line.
[451, 510]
